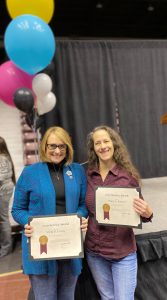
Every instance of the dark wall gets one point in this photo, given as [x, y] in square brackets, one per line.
[104, 18]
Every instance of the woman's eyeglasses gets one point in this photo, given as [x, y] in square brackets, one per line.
[62, 147]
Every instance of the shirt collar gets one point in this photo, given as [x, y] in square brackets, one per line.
[114, 170]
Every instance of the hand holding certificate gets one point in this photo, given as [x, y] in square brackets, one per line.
[114, 206]
[56, 237]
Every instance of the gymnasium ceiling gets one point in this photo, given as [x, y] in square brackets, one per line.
[104, 18]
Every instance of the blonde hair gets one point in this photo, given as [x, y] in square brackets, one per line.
[61, 134]
[121, 155]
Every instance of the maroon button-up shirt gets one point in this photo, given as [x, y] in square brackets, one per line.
[109, 241]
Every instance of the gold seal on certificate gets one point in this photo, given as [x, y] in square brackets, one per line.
[114, 206]
[43, 243]
[106, 209]
[56, 237]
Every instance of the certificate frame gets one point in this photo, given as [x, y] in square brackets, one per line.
[56, 237]
[114, 206]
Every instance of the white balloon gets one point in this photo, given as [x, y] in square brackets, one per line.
[46, 103]
[41, 84]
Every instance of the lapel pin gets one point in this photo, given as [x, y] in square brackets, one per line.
[69, 173]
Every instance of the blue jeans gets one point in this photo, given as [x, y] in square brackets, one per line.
[115, 279]
[58, 287]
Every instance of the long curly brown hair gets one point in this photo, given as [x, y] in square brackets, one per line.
[121, 155]
[4, 150]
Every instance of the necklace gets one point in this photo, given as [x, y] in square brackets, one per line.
[57, 172]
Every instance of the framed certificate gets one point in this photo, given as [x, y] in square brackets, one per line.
[114, 206]
[56, 237]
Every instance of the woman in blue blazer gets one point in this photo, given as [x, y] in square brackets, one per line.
[53, 186]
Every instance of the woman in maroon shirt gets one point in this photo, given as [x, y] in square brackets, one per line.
[111, 250]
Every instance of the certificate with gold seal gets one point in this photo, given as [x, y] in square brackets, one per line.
[56, 237]
[114, 206]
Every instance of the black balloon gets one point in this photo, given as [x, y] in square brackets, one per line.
[23, 99]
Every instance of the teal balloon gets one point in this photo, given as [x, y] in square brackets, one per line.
[29, 43]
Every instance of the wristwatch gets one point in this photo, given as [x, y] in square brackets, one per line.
[150, 218]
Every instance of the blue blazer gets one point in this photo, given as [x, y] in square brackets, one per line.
[35, 195]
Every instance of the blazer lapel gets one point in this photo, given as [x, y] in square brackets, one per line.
[70, 189]
[47, 189]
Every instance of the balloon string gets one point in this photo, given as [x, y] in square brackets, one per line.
[36, 140]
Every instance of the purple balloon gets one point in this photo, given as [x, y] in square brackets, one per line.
[11, 79]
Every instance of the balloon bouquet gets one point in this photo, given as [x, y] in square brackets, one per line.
[30, 45]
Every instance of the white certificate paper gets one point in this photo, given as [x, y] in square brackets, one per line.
[114, 206]
[56, 237]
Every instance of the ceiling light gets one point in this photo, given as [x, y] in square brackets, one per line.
[99, 5]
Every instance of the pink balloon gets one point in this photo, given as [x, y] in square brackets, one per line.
[11, 79]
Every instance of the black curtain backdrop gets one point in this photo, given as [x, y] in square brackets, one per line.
[93, 78]
[140, 70]
[84, 89]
